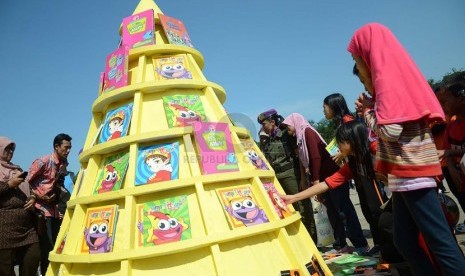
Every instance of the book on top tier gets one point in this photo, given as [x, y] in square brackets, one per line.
[175, 31]
[138, 29]
[116, 69]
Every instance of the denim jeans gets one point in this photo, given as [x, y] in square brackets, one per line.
[345, 212]
[416, 211]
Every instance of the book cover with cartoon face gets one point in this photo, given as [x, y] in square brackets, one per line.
[112, 173]
[171, 68]
[240, 206]
[183, 110]
[163, 221]
[116, 123]
[99, 229]
[157, 163]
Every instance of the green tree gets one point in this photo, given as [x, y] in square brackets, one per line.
[326, 128]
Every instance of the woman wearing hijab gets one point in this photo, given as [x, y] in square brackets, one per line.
[399, 110]
[316, 166]
[18, 238]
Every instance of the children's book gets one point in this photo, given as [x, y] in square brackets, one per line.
[332, 147]
[116, 69]
[172, 67]
[183, 110]
[252, 154]
[138, 29]
[215, 148]
[99, 231]
[112, 173]
[116, 123]
[240, 206]
[175, 30]
[157, 163]
[279, 205]
[163, 221]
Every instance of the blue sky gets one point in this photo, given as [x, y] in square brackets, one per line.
[286, 55]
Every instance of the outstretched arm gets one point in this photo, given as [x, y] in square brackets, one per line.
[317, 189]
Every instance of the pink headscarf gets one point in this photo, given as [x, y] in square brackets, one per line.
[402, 93]
[8, 169]
[300, 124]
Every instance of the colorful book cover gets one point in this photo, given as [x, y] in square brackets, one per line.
[332, 147]
[138, 29]
[241, 207]
[112, 173]
[173, 67]
[175, 30]
[278, 203]
[157, 163]
[99, 231]
[253, 156]
[116, 123]
[216, 151]
[116, 69]
[183, 110]
[163, 221]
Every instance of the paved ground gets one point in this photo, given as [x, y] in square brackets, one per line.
[366, 229]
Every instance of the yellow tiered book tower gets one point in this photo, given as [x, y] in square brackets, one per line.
[214, 247]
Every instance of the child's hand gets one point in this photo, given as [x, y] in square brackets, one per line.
[441, 153]
[288, 199]
[363, 102]
[339, 159]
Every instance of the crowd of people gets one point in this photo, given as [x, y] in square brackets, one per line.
[32, 205]
[397, 147]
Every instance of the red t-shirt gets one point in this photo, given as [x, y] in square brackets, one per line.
[340, 177]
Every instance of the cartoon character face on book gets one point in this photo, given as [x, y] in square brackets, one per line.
[174, 70]
[246, 210]
[184, 116]
[164, 228]
[159, 163]
[256, 160]
[115, 125]
[110, 178]
[97, 237]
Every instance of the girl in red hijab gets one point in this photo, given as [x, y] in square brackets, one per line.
[399, 110]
